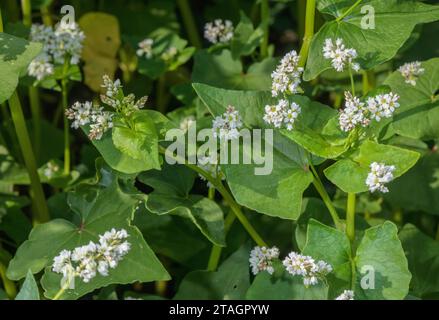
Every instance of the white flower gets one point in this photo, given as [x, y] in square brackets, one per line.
[187, 122]
[218, 31]
[410, 71]
[145, 48]
[287, 76]
[102, 122]
[227, 126]
[261, 259]
[282, 114]
[305, 266]
[68, 40]
[353, 114]
[379, 175]
[40, 67]
[88, 260]
[41, 33]
[51, 169]
[80, 113]
[169, 54]
[112, 88]
[382, 106]
[339, 55]
[346, 295]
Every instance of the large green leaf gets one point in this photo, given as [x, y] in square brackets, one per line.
[349, 174]
[29, 289]
[15, 56]
[317, 129]
[219, 69]
[278, 193]
[171, 196]
[230, 282]
[381, 251]
[425, 197]
[418, 116]
[423, 258]
[245, 37]
[394, 22]
[99, 210]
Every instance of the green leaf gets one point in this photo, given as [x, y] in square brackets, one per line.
[230, 282]
[101, 209]
[278, 193]
[15, 55]
[245, 38]
[423, 258]
[350, 174]
[317, 129]
[381, 251]
[29, 289]
[171, 196]
[394, 22]
[225, 72]
[425, 197]
[418, 116]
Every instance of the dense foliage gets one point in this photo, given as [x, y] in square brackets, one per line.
[106, 192]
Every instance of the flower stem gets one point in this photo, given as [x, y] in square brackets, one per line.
[348, 11]
[236, 208]
[215, 254]
[350, 217]
[26, 9]
[189, 23]
[326, 199]
[41, 213]
[35, 107]
[46, 15]
[64, 92]
[265, 17]
[368, 81]
[351, 76]
[8, 285]
[309, 31]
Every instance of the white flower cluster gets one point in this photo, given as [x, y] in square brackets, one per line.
[287, 76]
[339, 55]
[282, 114]
[87, 261]
[145, 48]
[261, 259]
[227, 126]
[51, 169]
[346, 295]
[358, 113]
[86, 113]
[169, 54]
[307, 267]
[59, 43]
[379, 176]
[411, 71]
[218, 31]
[210, 165]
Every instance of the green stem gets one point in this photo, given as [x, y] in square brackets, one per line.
[350, 217]
[351, 76]
[8, 285]
[189, 23]
[64, 92]
[46, 15]
[265, 17]
[41, 213]
[227, 197]
[348, 11]
[325, 197]
[211, 193]
[26, 8]
[368, 81]
[161, 94]
[309, 31]
[215, 254]
[35, 107]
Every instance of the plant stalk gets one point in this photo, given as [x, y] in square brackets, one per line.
[189, 23]
[41, 212]
[8, 285]
[265, 17]
[348, 11]
[26, 8]
[215, 254]
[35, 107]
[65, 102]
[350, 217]
[309, 31]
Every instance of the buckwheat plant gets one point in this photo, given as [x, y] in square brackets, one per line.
[300, 265]
[346, 295]
[218, 31]
[411, 71]
[261, 259]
